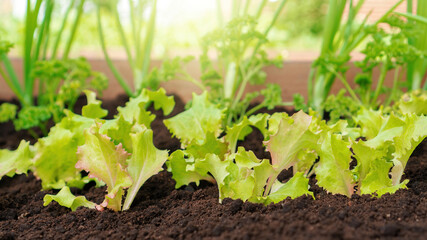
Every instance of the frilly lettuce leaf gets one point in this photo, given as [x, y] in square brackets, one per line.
[55, 159]
[378, 181]
[136, 107]
[93, 108]
[67, 199]
[241, 129]
[306, 159]
[293, 135]
[146, 161]
[212, 144]
[217, 168]
[414, 132]
[395, 140]
[17, 161]
[107, 162]
[370, 122]
[119, 131]
[332, 171]
[241, 182]
[56, 171]
[297, 186]
[414, 102]
[194, 124]
[184, 170]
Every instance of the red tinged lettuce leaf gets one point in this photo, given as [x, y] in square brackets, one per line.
[103, 160]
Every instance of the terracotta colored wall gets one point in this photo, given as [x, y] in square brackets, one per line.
[292, 77]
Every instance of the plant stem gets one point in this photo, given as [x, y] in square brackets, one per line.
[380, 82]
[30, 26]
[61, 30]
[73, 30]
[116, 73]
[11, 84]
[11, 72]
[346, 85]
[260, 8]
[394, 89]
[148, 44]
[123, 37]
[43, 32]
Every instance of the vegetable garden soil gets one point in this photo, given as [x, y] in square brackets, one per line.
[162, 212]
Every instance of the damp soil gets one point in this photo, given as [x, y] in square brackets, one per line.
[162, 212]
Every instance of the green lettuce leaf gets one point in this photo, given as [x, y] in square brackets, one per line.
[145, 162]
[211, 145]
[55, 158]
[297, 186]
[240, 130]
[414, 132]
[413, 102]
[93, 108]
[332, 171]
[17, 161]
[194, 124]
[107, 162]
[241, 182]
[119, 131]
[136, 107]
[293, 135]
[370, 122]
[184, 170]
[217, 168]
[66, 199]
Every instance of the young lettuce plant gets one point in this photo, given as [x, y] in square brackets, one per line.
[303, 142]
[238, 173]
[122, 147]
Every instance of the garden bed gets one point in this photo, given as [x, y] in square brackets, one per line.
[161, 212]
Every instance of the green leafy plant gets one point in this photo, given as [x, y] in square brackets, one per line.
[417, 67]
[138, 48]
[339, 40]
[241, 57]
[60, 80]
[303, 142]
[118, 152]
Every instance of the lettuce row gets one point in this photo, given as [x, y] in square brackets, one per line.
[121, 147]
[302, 142]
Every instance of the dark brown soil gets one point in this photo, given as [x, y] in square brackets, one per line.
[162, 212]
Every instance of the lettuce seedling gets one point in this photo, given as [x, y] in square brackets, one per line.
[303, 142]
[238, 175]
[67, 199]
[17, 161]
[119, 152]
[413, 102]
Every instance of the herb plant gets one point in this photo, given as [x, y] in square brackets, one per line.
[239, 47]
[339, 40]
[60, 80]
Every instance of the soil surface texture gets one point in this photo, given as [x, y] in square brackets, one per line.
[162, 212]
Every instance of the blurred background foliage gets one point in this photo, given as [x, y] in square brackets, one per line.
[180, 25]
